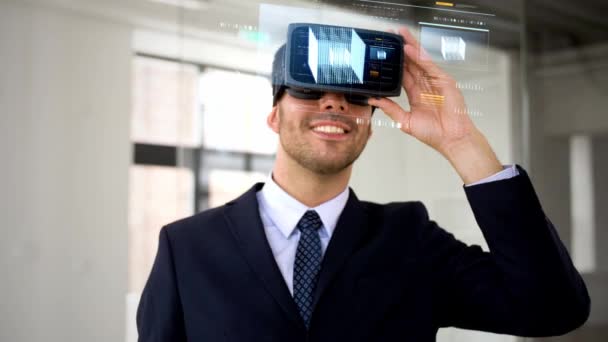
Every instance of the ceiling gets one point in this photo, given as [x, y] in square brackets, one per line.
[551, 24]
[558, 24]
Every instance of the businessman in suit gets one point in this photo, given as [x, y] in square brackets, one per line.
[301, 258]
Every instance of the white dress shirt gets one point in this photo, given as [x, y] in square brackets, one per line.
[280, 213]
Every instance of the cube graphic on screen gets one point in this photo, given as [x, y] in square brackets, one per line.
[453, 48]
[336, 55]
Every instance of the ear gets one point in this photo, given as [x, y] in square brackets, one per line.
[273, 119]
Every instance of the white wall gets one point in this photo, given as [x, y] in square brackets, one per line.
[64, 140]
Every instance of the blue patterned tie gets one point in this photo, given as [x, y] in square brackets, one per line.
[307, 264]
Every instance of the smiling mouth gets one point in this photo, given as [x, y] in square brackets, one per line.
[330, 129]
[331, 125]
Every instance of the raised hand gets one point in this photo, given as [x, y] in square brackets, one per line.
[438, 115]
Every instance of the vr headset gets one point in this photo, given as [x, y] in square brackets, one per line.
[322, 58]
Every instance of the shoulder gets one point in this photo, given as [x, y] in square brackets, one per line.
[398, 221]
[206, 222]
[411, 210]
[212, 223]
[399, 229]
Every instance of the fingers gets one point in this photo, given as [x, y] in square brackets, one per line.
[427, 76]
[411, 87]
[428, 79]
[394, 111]
[408, 37]
[416, 54]
[420, 58]
[422, 81]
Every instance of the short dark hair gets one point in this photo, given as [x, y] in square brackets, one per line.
[278, 75]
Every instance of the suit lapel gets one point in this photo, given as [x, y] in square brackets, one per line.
[243, 218]
[350, 231]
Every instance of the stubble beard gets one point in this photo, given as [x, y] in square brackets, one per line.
[291, 136]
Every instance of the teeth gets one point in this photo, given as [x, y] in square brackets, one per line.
[329, 129]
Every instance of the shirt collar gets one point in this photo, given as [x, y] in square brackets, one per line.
[285, 211]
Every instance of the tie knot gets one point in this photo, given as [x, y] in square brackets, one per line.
[310, 221]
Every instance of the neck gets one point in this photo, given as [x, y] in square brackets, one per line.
[308, 187]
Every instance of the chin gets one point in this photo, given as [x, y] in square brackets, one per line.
[328, 168]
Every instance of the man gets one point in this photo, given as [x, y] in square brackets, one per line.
[300, 258]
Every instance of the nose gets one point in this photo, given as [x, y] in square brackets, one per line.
[334, 102]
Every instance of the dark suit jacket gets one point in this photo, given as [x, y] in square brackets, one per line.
[389, 274]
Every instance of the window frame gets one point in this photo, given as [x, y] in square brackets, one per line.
[192, 157]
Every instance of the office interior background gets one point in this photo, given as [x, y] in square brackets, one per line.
[119, 116]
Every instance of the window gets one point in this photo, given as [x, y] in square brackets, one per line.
[235, 107]
[158, 195]
[164, 121]
[200, 139]
[165, 103]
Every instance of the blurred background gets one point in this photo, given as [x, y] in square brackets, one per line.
[120, 116]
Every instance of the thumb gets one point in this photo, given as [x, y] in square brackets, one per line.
[394, 111]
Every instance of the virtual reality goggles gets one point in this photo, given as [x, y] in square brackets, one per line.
[322, 58]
